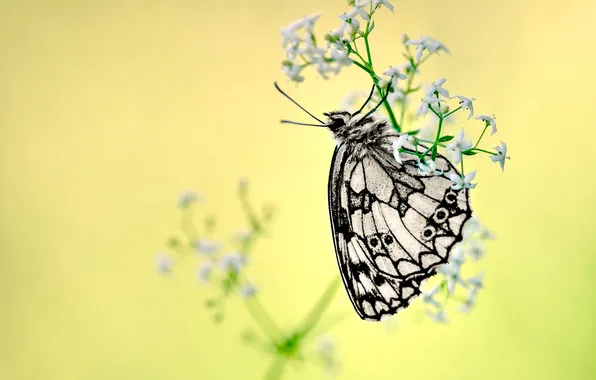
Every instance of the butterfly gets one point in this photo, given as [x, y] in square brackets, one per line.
[392, 225]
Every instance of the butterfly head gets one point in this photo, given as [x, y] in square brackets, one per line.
[354, 127]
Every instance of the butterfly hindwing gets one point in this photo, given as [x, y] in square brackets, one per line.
[373, 294]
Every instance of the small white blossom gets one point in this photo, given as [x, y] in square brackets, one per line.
[232, 262]
[386, 3]
[470, 301]
[488, 122]
[292, 71]
[248, 291]
[243, 235]
[500, 158]
[462, 183]
[163, 264]
[358, 10]
[475, 250]
[466, 104]
[439, 316]
[476, 281]
[204, 272]
[457, 257]
[341, 57]
[429, 169]
[397, 144]
[396, 95]
[451, 273]
[350, 24]
[425, 104]
[429, 297]
[458, 146]
[186, 198]
[207, 247]
[426, 43]
[437, 87]
[395, 75]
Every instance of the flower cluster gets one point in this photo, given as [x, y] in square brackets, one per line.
[226, 270]
[450, 283]
[349, 44]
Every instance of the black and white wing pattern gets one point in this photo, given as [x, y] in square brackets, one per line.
[391, 225]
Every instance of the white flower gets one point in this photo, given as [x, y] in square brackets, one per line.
[349, 20]
[428, 43]
[248, 291]
[462, 183]
[243, 235]
[186, 198]
[425, 104]
[429, 297]
[489, 122]
[436, 87]
[386, 3]
[232, 262]
[459, 145]
[451, 273]
[457, 257]
[466, 103]
[500, 158]
[475, 250]
[326, 346]
[429, 169]
[476, 281]
[397, 95]
[397, 144]
[395, 75]
[292, 71]
[207, 247]
[438, 316]
[340, 55]
[163, 264]
[358, 10]
[204, 272]
[470, 301]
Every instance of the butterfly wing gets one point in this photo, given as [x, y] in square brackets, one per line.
[373, 294]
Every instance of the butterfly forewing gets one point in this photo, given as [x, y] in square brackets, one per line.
[391, 224]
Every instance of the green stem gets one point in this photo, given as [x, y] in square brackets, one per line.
[313, 318]
[480, 138]
[484, 151]
[263, 319]
[454, 111]
[275, 370]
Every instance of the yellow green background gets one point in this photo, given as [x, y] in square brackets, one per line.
[109, 109]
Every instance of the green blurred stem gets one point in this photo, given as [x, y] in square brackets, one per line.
[313, 318]
[275, 369]
[262, 319]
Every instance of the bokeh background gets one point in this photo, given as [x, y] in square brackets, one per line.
[109, 109]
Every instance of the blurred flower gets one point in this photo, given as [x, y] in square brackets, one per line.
[207, 247]
[430, 168]
[429, 297]
[248, 291]
[426, 43]
[469, 302]
[451, 272]
[204, 273]
[163, 264]
[438, 316]
[458, 146]
[490, 122]
[395, 75]
[243, 235]
[397, 144]
[232, 262]
[186, 198]
[425, 104]
[476, 281]
[466, 104]
[500, 158]
[386, 3]
[463, 182]
[436, 87]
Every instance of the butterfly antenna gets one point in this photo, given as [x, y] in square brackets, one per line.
[293, 101]
[381, 102]
[297, 123]
[372, 91]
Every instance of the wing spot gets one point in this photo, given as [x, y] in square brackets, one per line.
[388, 239]
[373, 242]
[440, 215]
[428, 233]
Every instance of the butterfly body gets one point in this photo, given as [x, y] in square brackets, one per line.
[392, 226]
